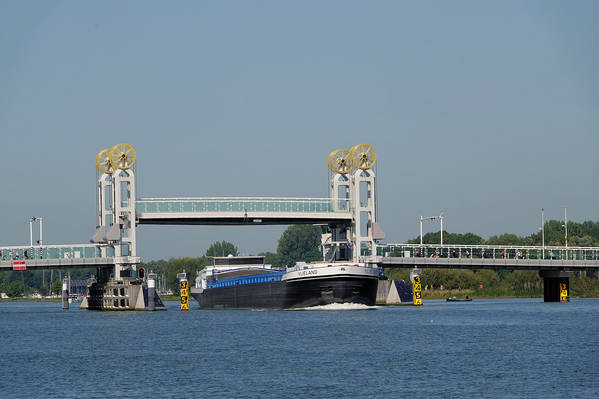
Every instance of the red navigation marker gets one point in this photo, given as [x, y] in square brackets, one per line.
[19, 265]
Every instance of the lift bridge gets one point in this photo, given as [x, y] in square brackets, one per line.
[349, 212]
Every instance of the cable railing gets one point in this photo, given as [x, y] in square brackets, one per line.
[68, 251]
[488, 251]
[241, 204]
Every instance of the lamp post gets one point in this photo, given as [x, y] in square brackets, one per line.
[34, 219]
[420, 230]
[566, 226]
[543, 230]
[440, 217]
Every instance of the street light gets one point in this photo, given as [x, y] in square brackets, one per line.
[34, 219]
[440, 217]
[543, 230]
[565, 226]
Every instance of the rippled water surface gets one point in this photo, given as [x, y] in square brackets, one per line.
[486, 348]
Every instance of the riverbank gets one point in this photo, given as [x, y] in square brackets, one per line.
[57, 299]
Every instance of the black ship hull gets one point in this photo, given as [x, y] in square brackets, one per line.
[290, 294]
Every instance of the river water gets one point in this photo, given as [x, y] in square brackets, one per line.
[482, 349]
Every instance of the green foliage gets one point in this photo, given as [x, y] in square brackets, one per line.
[449, 238]
[15, 289]
[56, 287]
[223, 248]
[487, 278]
[507, 239]
[584, 286]
[449, 279]
[272, 259]
[299, 243]
[584, 234]
[398, 274]
[172, 267]
[524, 280]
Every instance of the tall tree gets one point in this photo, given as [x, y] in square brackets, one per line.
[299, 243]
[223, 248]
[15, 289]
[449, 238]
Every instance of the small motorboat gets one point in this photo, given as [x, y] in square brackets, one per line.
[454, 299]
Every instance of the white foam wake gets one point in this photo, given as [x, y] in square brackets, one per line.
[340, 306]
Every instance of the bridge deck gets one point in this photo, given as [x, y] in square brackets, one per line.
[478, 263]
[241, 211]
[59, 257]
[486, 257]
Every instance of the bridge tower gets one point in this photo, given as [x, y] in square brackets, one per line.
[116, 207]
[353, 187]
[121, 287]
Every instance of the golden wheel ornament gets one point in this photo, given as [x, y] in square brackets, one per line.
[122, 156]
[362, 156]
[339, 161]
[103, 162]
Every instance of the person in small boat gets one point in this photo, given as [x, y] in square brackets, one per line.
[467, 297]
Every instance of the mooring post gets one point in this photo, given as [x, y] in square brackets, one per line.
[151, 291]
[184, 291]
[65, 292]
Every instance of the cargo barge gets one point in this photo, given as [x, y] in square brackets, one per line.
[247, 283]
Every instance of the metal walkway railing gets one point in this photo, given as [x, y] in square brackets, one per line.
[488, 251]
[68, 251]
[60, 256]
[241, 204]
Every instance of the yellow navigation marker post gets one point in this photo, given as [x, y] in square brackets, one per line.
[563, 293]
[416, 287]
[417, 291]
[184, 291]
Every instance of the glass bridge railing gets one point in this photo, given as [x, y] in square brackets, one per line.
[488, 251]
[318, 205]
[75, 251]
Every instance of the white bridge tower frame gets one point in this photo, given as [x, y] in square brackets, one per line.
[353, 190]
[116, 219]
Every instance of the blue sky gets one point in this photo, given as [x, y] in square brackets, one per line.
[487, 111]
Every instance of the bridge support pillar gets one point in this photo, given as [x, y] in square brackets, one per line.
[151, 292]
[556, 285]
[65, 292]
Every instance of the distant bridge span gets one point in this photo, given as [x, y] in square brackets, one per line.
[486, 257]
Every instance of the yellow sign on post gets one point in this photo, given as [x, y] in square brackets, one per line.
[563, 292]
[184, 292]
[417, 291]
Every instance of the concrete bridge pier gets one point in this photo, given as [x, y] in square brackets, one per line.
[556, 285]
